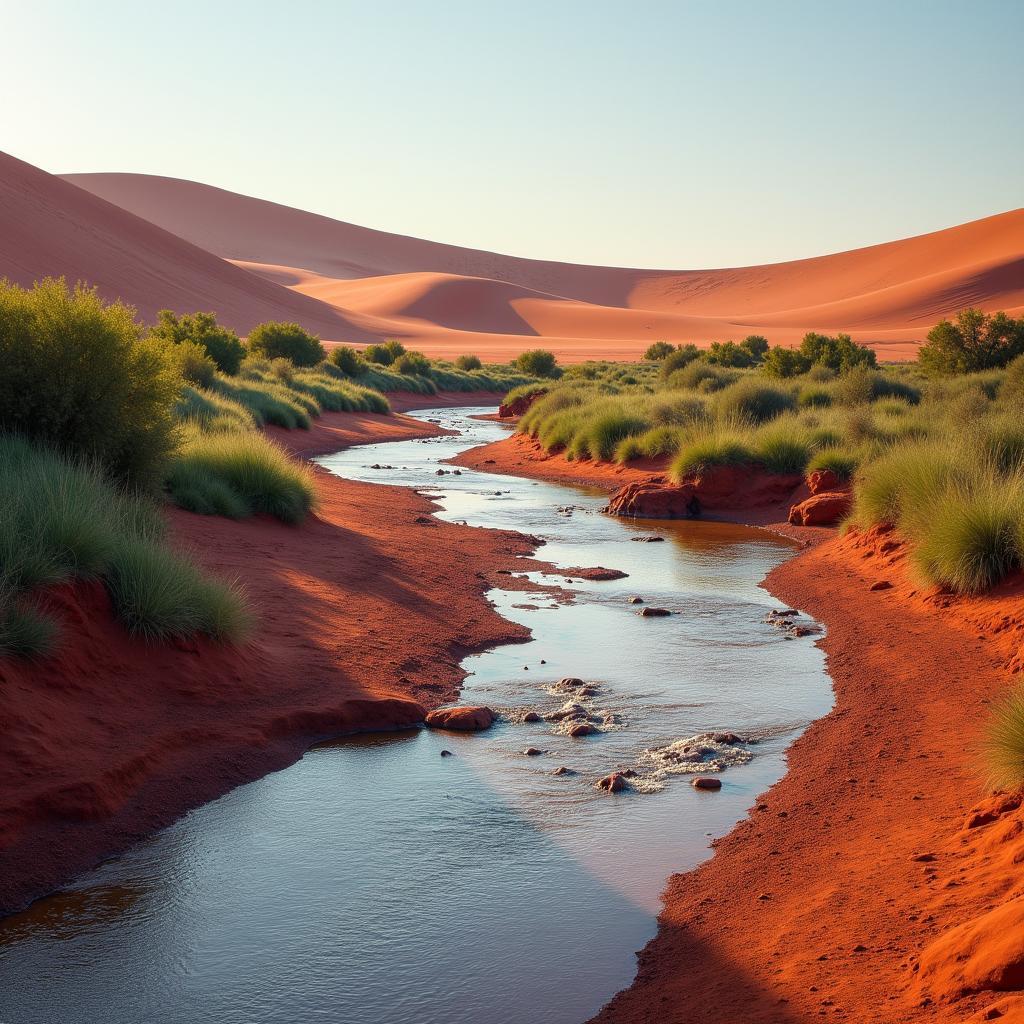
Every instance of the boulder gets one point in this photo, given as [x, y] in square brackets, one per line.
[582, 729]
[705, 782]
[598, 574]
[653, 613]
[825, 509]
[467, 718]
[614, 783]
[823, 480]
[532, 716]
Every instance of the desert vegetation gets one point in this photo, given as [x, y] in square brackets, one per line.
[934, 448]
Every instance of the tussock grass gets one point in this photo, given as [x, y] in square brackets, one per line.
[712, 449]
[1003, 742]
[64, 520]
[237, 475]
[753, 401]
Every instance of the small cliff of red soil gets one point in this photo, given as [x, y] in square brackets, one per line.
[363, 618]
[876, 882]
[520, 404]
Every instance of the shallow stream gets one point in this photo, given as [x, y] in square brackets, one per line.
[378, 882]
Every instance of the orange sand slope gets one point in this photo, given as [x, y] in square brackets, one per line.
[251, 260]
[49, 227]
[445, 298]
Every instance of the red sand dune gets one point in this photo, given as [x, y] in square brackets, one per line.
[448, 299]
[50, 228]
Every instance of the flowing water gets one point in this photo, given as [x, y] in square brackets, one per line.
[379, 882]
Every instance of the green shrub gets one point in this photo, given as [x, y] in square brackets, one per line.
[678, 359]
[221, 344]
[537, 363]
[658, 351]
[415, 364]
[267, 402]
[348, 360]
[194, 365]
[753, 401]
[654, 443]
[602, 435]
[237, 475]
[384, 354]
[1003, 744]
[76, 376]
[783, 451]
[785, 362]
[975, 341]
[274, 340]
[468, 362]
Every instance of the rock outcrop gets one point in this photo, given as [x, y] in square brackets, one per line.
[718, 487]
[467, 718]
[520, 404]
[825, 508]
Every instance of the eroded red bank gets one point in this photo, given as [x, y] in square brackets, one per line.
[364, 617]
[877, 881]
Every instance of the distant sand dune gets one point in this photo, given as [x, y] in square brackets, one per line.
[166, 242]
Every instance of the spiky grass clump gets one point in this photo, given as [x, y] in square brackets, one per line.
[841, 462]
[783, 451]
[64, 521]
[971, 539]
[237, 475]
[1003, 743]
[710, 450]
[157, 594]
[212, 412]
[751, 401]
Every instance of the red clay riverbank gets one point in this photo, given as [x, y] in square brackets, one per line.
[855, 890]
[362, 619]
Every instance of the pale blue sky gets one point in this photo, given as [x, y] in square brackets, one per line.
[645, 133]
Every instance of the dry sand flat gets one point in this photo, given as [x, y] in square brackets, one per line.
[448, 299]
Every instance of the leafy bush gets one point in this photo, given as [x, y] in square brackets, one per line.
[976, 341]
[221, 344]
[785, 362]
[76, 376]
[238, 474]
[749, 352]
[384, 354]
[537, 363]
[348, 360]
[468, 362]
[415, 364]
[274, 340]
[659, 350]
[194, 365]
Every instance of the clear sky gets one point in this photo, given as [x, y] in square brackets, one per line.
[657, 134]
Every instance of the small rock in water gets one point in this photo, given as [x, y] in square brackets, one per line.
[468, 718]
[614, 783]
[570, 681]
[647, 540]
[456, 472]
[703, 782]
[636, 600]
[532, 716]
[447, 753]
[542, 661]
[727, 737]
[562, 770]
[649, 613]
[441, 472]
[582, 729]
[532, 752]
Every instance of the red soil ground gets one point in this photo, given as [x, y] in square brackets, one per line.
[363, 618]
[855, 890]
